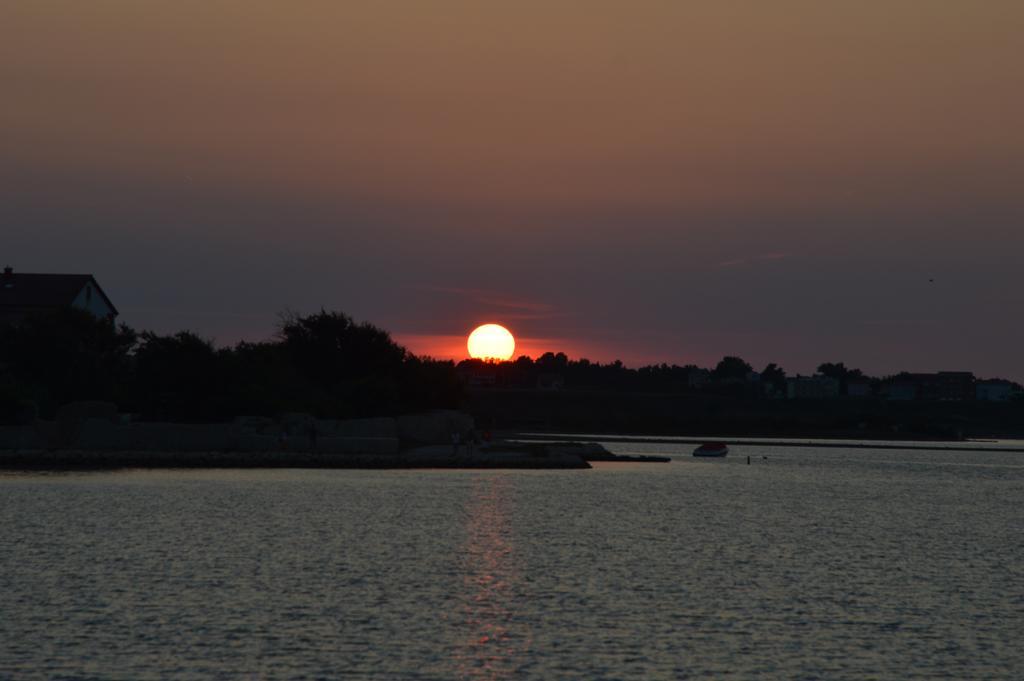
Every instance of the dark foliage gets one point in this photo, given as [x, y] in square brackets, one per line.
[527, 373]
[325, 364]
[775, 376]
[731, 369]
[838, 371]
[47, 361]
[179, 376]
[356, 368]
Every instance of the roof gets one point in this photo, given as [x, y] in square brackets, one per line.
[22, 290]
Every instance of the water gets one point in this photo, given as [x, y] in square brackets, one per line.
[810, 564]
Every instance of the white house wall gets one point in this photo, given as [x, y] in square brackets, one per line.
[94, 303]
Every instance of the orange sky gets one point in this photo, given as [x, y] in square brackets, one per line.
[654, 180]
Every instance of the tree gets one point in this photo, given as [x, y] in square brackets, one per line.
[731, 369]
[838, 371]
[775, 376]
[360, 371]
[331, 347]
[550, 361]
[180, 378]
[66, 356]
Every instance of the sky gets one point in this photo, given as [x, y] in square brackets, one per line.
[647, 180]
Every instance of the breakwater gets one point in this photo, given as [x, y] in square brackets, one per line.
[68, 459]
[94, 436]
[96, 426]
[934, 446]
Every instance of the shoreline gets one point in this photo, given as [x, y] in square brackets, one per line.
[917, 445]
[76, 459]
[550, 456]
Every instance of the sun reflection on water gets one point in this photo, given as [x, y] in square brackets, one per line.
[493, 642]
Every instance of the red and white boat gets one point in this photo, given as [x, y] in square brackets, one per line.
[712, 449]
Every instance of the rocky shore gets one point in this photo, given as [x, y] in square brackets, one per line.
[94, 436]
[499, 455]
[70, 459]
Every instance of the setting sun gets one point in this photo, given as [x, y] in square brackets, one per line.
[490, 342]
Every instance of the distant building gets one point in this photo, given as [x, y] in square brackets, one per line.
[995, 390]
[952, 386]
[696, 377]
[858, 388]
[550, 382]
[899, 390]
[944, 386]
[478, 376]
[815, 387]
[22, 295]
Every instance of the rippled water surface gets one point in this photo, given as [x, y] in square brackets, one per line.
[810, 563]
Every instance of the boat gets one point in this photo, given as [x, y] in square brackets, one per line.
[712, 449]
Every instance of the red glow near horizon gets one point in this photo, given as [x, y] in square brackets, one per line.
[451, 346]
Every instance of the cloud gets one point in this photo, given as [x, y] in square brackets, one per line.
[512, 308]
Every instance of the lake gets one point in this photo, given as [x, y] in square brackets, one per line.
[812, 563]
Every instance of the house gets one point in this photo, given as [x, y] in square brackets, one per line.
[900, 389]
[858, 388]
[995, 390]
[477, 374]
[697, 378]
[22, 295]
[550, 382]
[952, 386]
[944, 386]
[815, 387]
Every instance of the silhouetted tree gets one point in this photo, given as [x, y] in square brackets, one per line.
[429, 384]
[838, 371]
[550, 361]
[523, 362]
[260, 380]
[64, 356]
[775, 376]
[361, 371]
[731, 368]
[179, 378]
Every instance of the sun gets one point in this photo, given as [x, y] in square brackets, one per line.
[491, 342]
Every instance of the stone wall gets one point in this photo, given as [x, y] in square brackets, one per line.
[434, 427]
[99, 434]
[95, 427]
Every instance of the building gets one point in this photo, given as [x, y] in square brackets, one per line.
[858, 388]
[899, 390]
[951, 386]
[995, 390]
[550, 382]
[815, 387]
[697, 378]
[944, 386]
[22, 295]
[477, 374]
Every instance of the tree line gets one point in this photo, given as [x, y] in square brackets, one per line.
[324, 364]
[731, 375]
